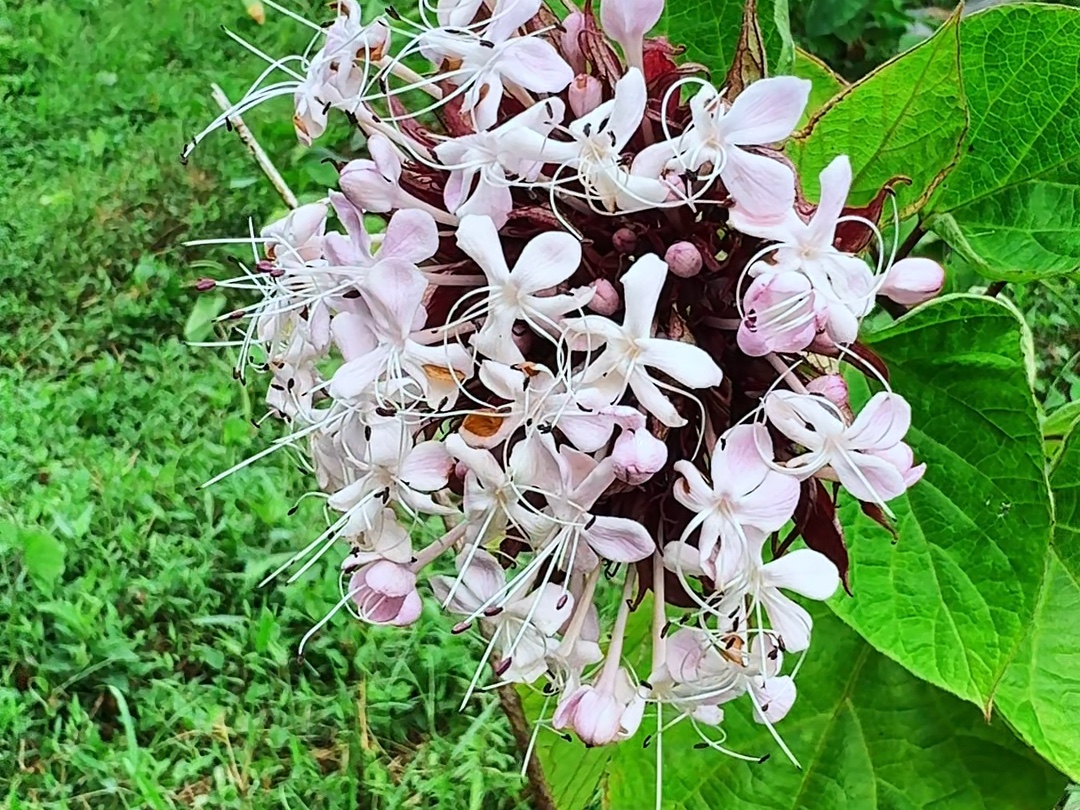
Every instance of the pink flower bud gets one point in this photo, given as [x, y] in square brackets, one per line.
[834, 388]
[602, 714]
[385, 593]
[913, 280]
[586, 93]
[605, 300]
[573, 25]
[683, 260]
[638, 456]
[624, 240]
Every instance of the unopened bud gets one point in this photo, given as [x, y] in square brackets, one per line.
[624, 240]
[586, 93]
[683, 260]
[638, 456]
[833, 387]
[913, 280]
[573, 26]
[605, 300]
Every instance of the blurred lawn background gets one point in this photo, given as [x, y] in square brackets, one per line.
[139, 665]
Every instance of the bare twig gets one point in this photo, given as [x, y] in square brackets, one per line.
[257, 151]
[917, 233]
[519, 725]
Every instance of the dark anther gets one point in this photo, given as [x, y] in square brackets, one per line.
[367, 433]
[277, 386]
[562, 601]
[492, 611]
[351, 294]
[459, 628]
[204, 284]
[291, 383]
[701, 746]
[503, 665]
[764, 758]
[293, 510]
[566, 736]
[587, 129]
[646, 684]
[487, 43]
[646, 741]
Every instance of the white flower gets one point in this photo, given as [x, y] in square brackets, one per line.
[595, 153]
[869, 456]
[386, 347]
[513, 295]
[764, 113]
[746, 499]
[485, 60]
[389, 467]
[630, 349]
[844, 282]
[480, 165]
[523, 629]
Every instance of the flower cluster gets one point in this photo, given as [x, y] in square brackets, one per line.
[577, 309]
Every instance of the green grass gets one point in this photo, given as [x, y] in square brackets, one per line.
[144, 668]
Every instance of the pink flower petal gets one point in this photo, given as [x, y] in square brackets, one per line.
[835, 184]
[881, 424]
[766, 111]
[763, 188]
[805, 571]
[619, 539]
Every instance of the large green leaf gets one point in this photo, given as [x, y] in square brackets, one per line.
[824, 84]
[710, 30]
[907, 118]
[1012, 205]
[1040, 691]
[951, 598]
[866, 732]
